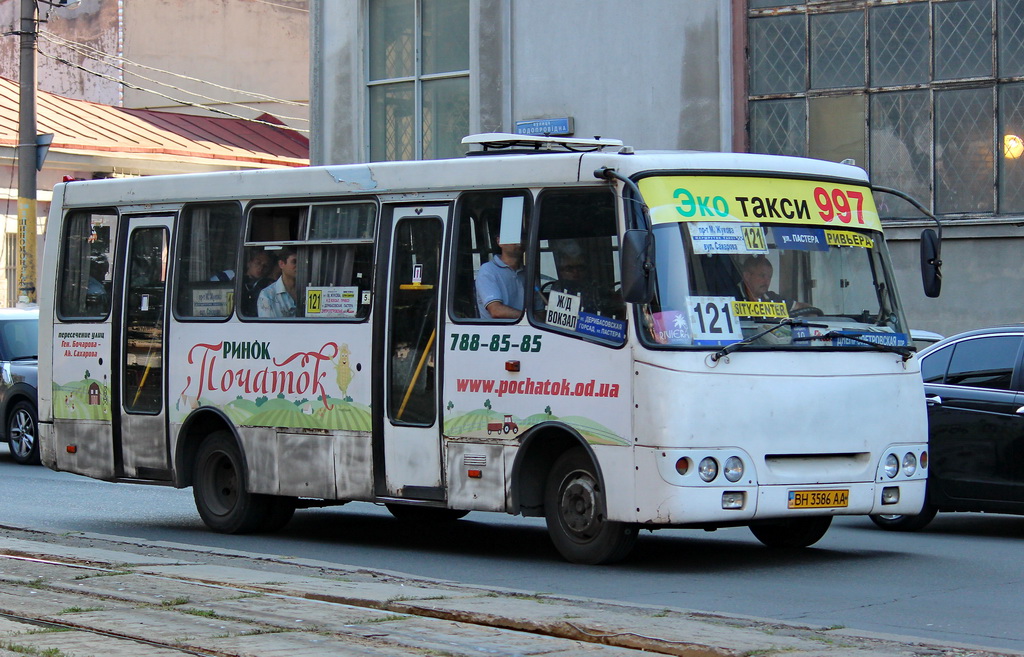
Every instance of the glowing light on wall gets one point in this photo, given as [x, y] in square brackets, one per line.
[1013, 146]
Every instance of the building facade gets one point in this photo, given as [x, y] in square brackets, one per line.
[927, 95]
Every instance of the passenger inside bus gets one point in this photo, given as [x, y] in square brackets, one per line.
[278, 299]
[257, 277]
[97, 296]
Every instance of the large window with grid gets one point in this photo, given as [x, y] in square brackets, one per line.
[927, 95]
[418, 78]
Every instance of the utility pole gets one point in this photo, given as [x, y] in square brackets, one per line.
[27, 212]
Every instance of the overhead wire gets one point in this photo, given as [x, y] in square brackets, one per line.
[84, 51]
[171, 98]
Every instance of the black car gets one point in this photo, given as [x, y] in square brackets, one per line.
[19, 367]
[974, 388]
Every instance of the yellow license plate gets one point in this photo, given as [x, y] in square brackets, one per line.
[818, 499]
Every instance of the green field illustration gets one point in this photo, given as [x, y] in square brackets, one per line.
[87, 399]
[483, 422]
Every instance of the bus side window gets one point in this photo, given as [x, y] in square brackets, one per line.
[332, 276]
[577, 264]
[206, 262]
[86, 276]
[476, 236]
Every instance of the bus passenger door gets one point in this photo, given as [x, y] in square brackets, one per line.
[411, 451]
[144, 452]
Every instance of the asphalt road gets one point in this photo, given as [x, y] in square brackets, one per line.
[957, 582]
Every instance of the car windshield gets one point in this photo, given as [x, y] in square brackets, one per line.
[737, 261]
[19, 339]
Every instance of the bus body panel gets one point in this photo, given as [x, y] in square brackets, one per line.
[300, 397]
[556, 378]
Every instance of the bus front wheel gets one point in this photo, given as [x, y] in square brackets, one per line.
[793, 532]
[218, 486]
[574, 508]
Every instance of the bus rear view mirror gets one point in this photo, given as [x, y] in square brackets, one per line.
[931, 263]
[637, 266]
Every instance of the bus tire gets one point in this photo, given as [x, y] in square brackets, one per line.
[574, 508]
[792, 532]
[425, 514]
[23, 433]
[218, 487]
[901, 523]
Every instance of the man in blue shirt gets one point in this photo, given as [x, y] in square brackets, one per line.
[501, 284]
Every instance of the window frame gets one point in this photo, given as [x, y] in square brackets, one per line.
[768, 130]
[63, 281]
[301, 241]
[418, 79]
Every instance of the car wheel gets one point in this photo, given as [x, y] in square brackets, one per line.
[901, 523]
[22, 435]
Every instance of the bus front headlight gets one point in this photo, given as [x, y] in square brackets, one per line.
[909, 464]
[892, 466]
[733, 469]
[708, 469]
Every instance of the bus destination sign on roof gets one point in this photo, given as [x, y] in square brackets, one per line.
[773, 200]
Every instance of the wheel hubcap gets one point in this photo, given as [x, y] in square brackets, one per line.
[579, 505]
[223, 484]
[22, 432]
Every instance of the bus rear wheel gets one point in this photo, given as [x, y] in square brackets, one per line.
[218, 487]
[793, 532]
[575, 511]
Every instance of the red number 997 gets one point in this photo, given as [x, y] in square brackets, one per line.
[837, 204]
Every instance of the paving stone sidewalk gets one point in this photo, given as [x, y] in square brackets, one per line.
[84, 596]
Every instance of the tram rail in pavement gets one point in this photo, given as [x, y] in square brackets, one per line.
[77, 595]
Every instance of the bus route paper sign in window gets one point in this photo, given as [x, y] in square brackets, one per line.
[721, 237]
[712, 322]
[331, 301]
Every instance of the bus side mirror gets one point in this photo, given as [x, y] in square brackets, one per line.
[637, 266]
[931, 274]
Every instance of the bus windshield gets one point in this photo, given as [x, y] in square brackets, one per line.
[737, 256]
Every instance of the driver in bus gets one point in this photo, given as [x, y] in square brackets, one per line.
[756, 273]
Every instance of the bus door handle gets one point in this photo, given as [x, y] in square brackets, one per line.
[935, 400]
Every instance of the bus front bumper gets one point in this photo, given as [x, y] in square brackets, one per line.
[710, 505]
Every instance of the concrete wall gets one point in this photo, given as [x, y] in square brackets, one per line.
[250, 46]
[656, 74]
[93, 25]
[982, 276]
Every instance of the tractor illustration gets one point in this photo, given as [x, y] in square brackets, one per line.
[503, 427]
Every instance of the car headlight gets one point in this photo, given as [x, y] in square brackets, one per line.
[909, 464]
[892, 466]
[708, 469]
[733, 469]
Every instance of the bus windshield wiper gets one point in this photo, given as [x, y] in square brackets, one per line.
[831, 335]
[728, 349]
